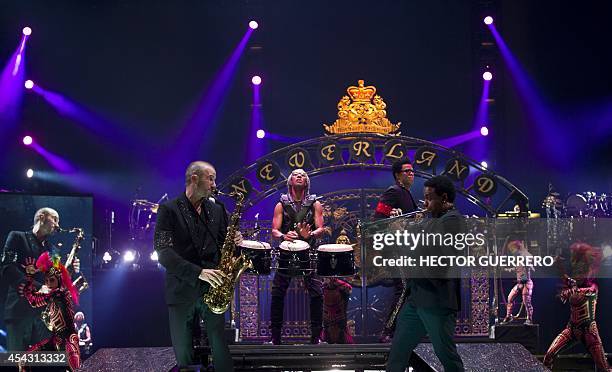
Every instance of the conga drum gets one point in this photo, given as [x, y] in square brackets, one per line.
[335, 260]
[260, 254]
[294, 258]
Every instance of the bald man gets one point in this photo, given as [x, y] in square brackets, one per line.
[189, 234]
[23, 323]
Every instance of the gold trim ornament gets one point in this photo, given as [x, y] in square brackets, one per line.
[362, 111]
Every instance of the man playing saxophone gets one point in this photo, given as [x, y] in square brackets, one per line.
[189, 233]
[23, 323]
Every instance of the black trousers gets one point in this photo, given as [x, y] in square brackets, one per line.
[24, 332]
[412, 324]
[398, 288]
[183, 319]
[314, 286]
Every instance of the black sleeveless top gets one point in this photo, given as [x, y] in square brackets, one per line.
[294, 212]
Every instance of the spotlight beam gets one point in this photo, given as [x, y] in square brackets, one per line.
[478, 149]
[284, 139]
[202, 121]
[459, 139]
[11, 86]
[547, 127]
[113, 134]
[255, 146]
[56, 161]
[103, 185]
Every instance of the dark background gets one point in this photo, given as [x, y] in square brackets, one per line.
[145, 65]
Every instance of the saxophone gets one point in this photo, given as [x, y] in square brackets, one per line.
[80, 283]
[219, 299]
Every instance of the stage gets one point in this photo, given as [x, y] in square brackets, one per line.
[323, 357]
[327, 145]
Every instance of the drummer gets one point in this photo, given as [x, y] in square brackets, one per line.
[297, 216]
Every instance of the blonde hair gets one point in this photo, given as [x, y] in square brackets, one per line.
[305, 176]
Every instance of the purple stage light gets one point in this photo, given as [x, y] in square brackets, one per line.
[129, 256]
[27, 140]
[487, 76]
[11, 86]
[30, 173]
[484, 164]
[107, 257]
[154, 256]
[253, 25]
[478, 149]
[552, 142]
[484, 131]
[29, 84]
[57, 162]
[488, 20]
[113, 133]
[256, 80]
[203, 121]
[27, 31]
[459, 139]
[261, 133]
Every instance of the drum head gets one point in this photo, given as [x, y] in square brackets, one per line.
[294, 246]
[335, 248]
[255, 244]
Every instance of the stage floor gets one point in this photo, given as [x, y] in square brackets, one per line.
[324, 357]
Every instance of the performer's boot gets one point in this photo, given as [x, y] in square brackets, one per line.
[315, 337]
[276, 336]
[276, 318]
[508, 317]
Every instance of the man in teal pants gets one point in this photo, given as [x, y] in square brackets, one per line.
[432, 302]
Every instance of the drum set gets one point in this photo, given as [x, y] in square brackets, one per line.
[294, 258]
[143, 214]
[297, 258]
[588, 204]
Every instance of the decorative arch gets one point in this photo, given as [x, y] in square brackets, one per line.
[363, 138]
[336, 153]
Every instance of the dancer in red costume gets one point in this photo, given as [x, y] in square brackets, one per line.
[524, 284]
[58, 295]
[580, 291]
[336, 293]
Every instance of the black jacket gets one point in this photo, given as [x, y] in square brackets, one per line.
[442, 289]
[186, 243]
[395, 196]
[19, 246]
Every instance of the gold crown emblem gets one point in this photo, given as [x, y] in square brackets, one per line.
[362, 111]
[361, 93]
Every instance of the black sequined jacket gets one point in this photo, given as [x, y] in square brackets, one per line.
[186, 243]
